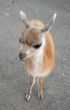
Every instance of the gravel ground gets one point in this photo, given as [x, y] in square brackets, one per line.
[13, 77]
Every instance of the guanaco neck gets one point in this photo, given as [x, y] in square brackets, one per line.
[49, 46]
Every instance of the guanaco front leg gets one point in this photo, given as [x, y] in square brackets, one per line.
[40, 85]
[32, 81]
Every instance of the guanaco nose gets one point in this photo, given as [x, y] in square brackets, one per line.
[22, 55]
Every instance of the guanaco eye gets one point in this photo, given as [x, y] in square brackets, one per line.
[37, 46]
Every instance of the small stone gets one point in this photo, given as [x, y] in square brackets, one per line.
[13, 2]
[6, 13]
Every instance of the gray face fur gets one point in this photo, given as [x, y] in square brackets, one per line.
[31, 36]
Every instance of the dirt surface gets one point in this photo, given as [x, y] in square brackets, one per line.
[13, 77]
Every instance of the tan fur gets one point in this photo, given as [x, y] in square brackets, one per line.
[48, 58]
[37, 23]
[40, 87]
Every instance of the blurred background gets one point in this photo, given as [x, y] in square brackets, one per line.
[13, 77]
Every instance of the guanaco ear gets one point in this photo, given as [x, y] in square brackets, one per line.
[24, 19]
[49, 25]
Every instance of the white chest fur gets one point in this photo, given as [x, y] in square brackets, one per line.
[37, 61]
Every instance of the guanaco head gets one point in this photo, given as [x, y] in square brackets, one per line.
[31, 39]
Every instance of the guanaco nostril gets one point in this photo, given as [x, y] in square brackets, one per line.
[22, 55]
